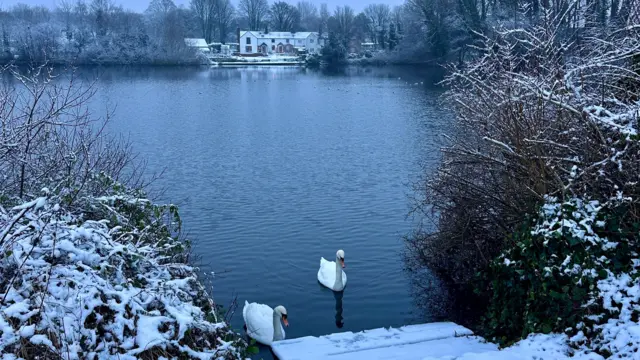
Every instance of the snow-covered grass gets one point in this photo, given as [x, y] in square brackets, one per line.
[79, 286]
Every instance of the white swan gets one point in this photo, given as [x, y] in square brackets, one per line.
[263, 323]
[331, 274]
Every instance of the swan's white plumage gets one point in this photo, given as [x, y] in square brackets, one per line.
[327, 274]
[259, 321]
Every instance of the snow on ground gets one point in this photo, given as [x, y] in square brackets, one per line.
[449, 341]
[620, 334]
[90, 290]
[410, 342]
[535, 347]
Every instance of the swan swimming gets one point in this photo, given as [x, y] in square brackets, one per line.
[263, 323]
[330, 273]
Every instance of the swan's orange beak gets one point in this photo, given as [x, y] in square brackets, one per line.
[285, 321]
[342, 261]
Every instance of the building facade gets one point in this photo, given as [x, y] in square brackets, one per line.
[278, 42]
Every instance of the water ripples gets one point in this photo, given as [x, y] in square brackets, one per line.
[279, 167]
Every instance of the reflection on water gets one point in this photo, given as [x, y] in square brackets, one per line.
[137, 73]
[338, 296]
[276, 167]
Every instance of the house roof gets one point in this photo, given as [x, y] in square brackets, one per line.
[278, 34]
[195, 42]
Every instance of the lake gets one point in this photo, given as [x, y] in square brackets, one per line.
[275, 167]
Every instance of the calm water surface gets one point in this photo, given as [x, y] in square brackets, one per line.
[275, 167]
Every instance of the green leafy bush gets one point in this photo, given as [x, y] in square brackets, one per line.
[547, 281]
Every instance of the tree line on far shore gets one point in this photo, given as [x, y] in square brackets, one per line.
[98, 31]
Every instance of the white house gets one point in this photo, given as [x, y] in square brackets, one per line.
[277, 42]
[200, 44]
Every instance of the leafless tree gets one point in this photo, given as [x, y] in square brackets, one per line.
[225, 14]
[284, 17]
[81, 8]
[436, 17]
[165, 24]
[343, 24]
[101, 11]
[160, 7]
[379, 16]
[205, 11]
[309, 20]
[256, 11]
[65, 8]
[324, 19]
[31, 14]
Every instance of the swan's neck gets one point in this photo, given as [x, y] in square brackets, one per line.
[338, 284]
[277, 329]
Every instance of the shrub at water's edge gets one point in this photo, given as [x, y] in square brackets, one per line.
[573, 270]
[89, 266]
[536, 204]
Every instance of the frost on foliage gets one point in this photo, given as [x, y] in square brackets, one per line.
[576, 220]
[616, 329]
[578, 236]
[80, 288]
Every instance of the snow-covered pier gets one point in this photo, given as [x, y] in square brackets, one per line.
[412, 342]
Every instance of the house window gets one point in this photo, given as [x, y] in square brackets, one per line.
[273, 40]
[311, 41]
[273, 48]
[247, 49]
[248, 40]
[287, 41]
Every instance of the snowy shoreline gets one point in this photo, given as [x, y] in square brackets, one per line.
[97, 287]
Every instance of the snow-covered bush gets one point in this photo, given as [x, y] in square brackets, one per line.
[109, 283]
[312, 60]
[558, 275]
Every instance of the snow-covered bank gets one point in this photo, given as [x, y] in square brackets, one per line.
[110, 282]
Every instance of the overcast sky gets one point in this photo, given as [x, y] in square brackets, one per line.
[141, 5]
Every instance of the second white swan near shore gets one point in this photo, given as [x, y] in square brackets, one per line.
[263, 323]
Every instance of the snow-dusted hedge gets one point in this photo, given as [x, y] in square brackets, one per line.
[574, 270]
[109, 282]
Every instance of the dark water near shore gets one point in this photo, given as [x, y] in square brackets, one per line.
[275, 167]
